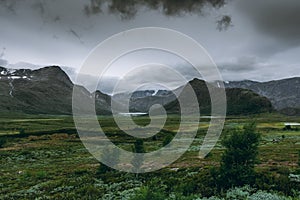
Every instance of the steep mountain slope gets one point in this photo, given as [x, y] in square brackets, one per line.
[283, 94]
[44, 91]
[239, 101]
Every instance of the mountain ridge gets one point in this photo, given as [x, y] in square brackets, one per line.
[239, 101]
[283, 94]
[48, 90]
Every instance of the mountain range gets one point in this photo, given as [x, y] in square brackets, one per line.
[43, 91]
[284, 94]
[49, 90]
[239, 101]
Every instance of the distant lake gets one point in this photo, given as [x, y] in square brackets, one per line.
[211, 117]
[141, 113]
[133, 114]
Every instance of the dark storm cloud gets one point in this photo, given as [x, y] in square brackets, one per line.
[262, 41]
[125, 9]
[129, 8]
[279, 19]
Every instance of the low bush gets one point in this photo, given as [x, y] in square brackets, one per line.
[147, 193]
[3, 141]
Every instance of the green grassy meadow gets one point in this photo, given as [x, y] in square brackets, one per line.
[43, 158]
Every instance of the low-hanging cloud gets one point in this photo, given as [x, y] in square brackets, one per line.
[3, 62]
[240, 64]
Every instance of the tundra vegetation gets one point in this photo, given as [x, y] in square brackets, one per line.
[250, 161]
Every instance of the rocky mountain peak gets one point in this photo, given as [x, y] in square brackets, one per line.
[54, 73]
[46, 90]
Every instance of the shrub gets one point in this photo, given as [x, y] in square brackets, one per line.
[237, 164]
[138, 159]
[188, 187]
[238, 193]
[248, 193]
[110, 156]
[167, 139]
[265, 196]
[146, 193]
[22, 131]
[41, 175]
[3, 141]
[283, 184]
[264, 180]
[89, 192]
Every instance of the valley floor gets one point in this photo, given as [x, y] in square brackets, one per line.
[43, 158]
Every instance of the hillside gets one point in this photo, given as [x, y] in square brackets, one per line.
[49, 91]
[44, 91]
[284, 94]
[239, 101]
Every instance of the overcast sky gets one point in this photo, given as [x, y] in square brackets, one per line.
[262, 44]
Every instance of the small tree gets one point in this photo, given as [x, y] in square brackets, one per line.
[139, 146]
[239, 158]
[138, 159]
[3, 141]
[21, 131]
[167, 139]
[110, 156]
